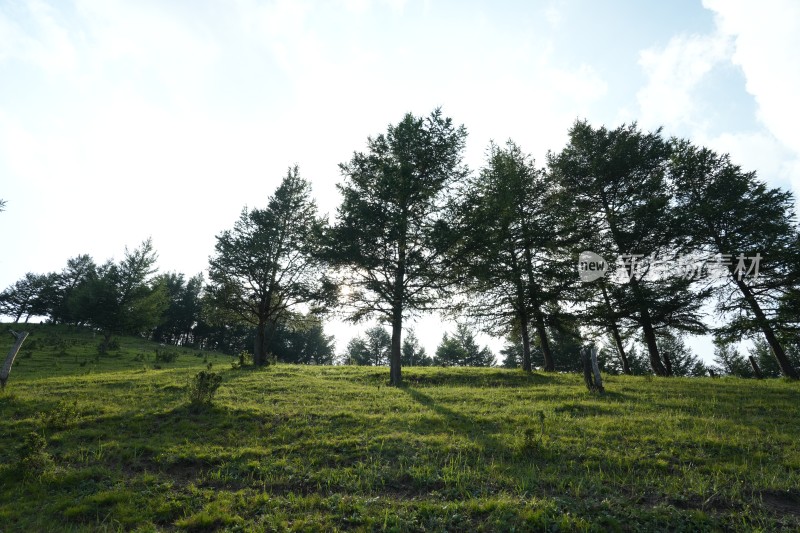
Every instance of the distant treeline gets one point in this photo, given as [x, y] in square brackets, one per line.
[621, 239]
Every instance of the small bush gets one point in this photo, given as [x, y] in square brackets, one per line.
[33, 457]
[164, 355]
[63, 414]
[202, 387]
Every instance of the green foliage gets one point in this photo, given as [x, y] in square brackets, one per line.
[62, 415]
[461, 349]
[729, 361]
[302, 339]
[269, 263]
[684, 363]
[33, 458]
[615, 183]
[727, 211]
[119, 298]
[412, 353]
[390, 238]
[165, 355]
[202, 388]
[371, 349]
[508, 254]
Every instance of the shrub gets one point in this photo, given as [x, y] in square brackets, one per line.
[62, 415]
[33, 457]
[166, 356]
[202, 387]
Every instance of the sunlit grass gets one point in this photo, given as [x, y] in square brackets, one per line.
[326, 448]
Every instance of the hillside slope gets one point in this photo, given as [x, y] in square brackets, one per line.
[111, 443]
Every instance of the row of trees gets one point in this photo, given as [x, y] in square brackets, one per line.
[458, 349]
[129, 297]
[417, 231]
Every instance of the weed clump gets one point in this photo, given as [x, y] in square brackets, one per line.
[202, 388]
[245, 358]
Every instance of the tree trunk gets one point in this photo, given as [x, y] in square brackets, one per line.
[598, 380]
[395, 377]
[260, 346]
[766, 329]
[626, 367]
[649, 332]
[549, 366]
[526, 342]
[755, 366]
[652, 348]
[667, 362]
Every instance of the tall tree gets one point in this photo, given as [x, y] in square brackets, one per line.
[269, 263]
[120, 298]
[388, 241]
[79, 270]
[508, 255]
[616, 184]
[183, 311]
[733, 216]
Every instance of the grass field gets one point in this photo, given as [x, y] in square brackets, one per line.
[111, 443]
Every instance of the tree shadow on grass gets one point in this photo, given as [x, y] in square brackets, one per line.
[479, 431]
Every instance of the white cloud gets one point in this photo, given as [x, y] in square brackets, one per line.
[673, 75]
[35, 35]
[766, 42]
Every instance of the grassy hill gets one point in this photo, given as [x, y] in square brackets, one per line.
[111, 443]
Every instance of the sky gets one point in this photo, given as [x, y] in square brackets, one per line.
[121, 121]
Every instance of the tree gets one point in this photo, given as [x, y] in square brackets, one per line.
[461, 349]
[26, 297]
[120, 298]
[565, 346]
[731, 215]
[508, 256]
[615, 182]
[729, 361]
[511, 352]
[387, 243]
[269, 263]
[372, 349]
[302, 340]
[762, 353]
[684, 362]
[413, 354]
[79, 270]
[183, 311]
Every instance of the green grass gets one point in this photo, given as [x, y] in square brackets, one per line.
[117, 446]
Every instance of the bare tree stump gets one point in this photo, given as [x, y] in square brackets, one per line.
[598, 381]
[591, 370]
[12, 354]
